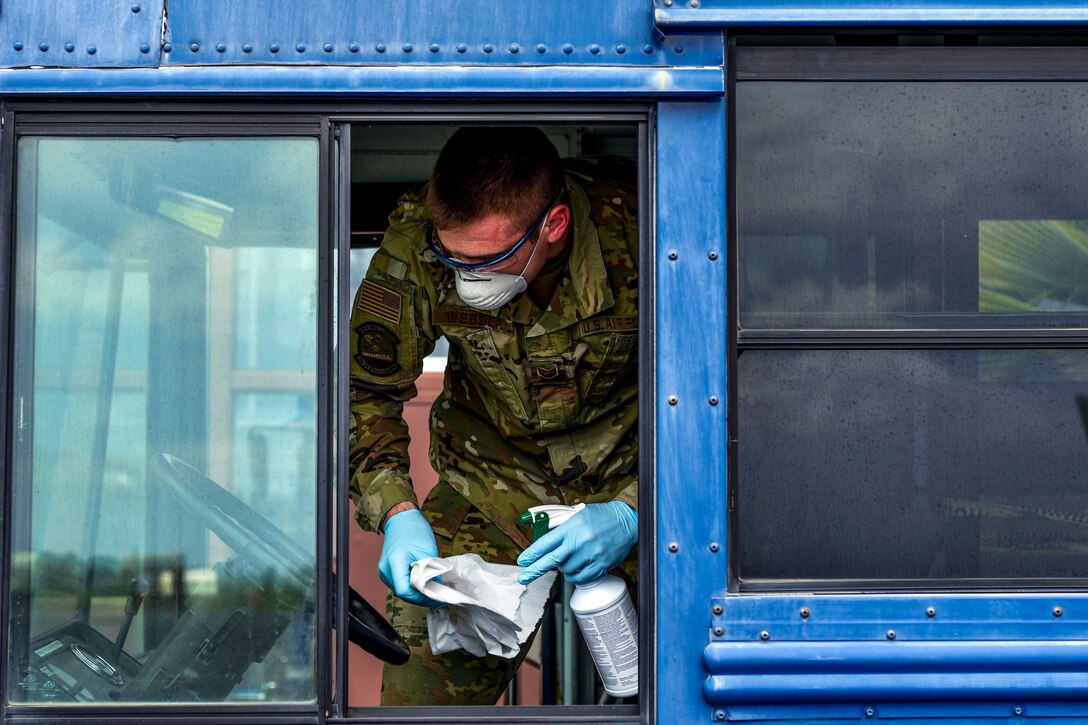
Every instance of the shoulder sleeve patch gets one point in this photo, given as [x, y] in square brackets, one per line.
[380, 301]
[376, 349]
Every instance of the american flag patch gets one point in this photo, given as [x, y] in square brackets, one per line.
[380, 302]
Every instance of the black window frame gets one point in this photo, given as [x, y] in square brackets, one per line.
[330, 122]
[875, 56]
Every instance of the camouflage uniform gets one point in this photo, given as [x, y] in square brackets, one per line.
[538, 406]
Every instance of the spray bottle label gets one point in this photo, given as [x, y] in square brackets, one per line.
[612, 638]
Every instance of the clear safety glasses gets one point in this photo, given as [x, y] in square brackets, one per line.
[435, 244]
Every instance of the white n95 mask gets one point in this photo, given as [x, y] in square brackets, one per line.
[492, 290]
[488, 290]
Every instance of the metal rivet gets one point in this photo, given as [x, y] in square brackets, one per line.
[488, 48]
[194, 47]
[1018, 711]
[719, 714]
[674, 547]
[891, 634]
[673, 400]
[167, 48]
[931, 612]
[621, 49]
[435, 48]
[17, 45]
[1058, 611]
[541, 48]
[568, 48]
[247, 48]
[43, 47]
[514, 48]
[144, 48]
[668, 3]
[300, 48]
[72, 46]
[221, 48]
[91, 50]
[718, 631]
[135, 8]
[713, 256]
[380, 47]
[764, 635]
[354, 47]
[717, 609]
[714, 547]
[327, 47]
[275, 47]
[673, 255]
[407, 47]
[461, 47]
[694, 3]
[713, 400]
[869, 712]
[805, 613]
[594, 49]
[648, 49]
[679, 49]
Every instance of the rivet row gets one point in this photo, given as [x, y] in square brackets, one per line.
[407, 48]
[488, 48]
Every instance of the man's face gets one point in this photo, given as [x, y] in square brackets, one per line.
[495, 235]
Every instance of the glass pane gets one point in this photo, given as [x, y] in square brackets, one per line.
[922, 464]
[166, 328]
[912, 205]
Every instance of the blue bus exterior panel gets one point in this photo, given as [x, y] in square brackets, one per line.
[80, 33]
[784, 13]
[717, 657]
[902, 656]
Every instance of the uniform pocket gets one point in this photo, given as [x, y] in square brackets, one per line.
[486, 362]
[617, 364]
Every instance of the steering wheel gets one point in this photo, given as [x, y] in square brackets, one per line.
[244, 530]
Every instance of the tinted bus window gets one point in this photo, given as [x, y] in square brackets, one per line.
[894, 210]
[165, 398]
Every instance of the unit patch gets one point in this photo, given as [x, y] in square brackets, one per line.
[380, 301]
[376, 350]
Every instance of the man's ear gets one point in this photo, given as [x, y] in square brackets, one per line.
[557, 224]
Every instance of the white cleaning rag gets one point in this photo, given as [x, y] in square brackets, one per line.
[489, 612]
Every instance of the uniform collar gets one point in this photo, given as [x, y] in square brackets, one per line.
[583, 291]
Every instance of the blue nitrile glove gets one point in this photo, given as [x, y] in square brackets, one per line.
[408, 538]
[585, 546]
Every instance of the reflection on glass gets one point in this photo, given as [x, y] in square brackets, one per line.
[164, 451]
[924, 464]
[1032, 266]
[911, 205]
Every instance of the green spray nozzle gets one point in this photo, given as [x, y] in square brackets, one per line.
[548, 516]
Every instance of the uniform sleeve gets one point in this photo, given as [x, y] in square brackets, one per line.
[629, 495]
[389, 338]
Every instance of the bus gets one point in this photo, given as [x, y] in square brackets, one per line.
[862, 350]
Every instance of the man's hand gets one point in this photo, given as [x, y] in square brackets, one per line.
[408, 538]
[584, 547]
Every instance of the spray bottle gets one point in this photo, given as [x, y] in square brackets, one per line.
[604, 611]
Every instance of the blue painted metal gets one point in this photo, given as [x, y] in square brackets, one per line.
[69, 29]
[384, 82]
[717, 13]
[430, 32]
[869, 617]
[691, 434]
[911, 655]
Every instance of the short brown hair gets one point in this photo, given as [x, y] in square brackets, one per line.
[513, 171]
